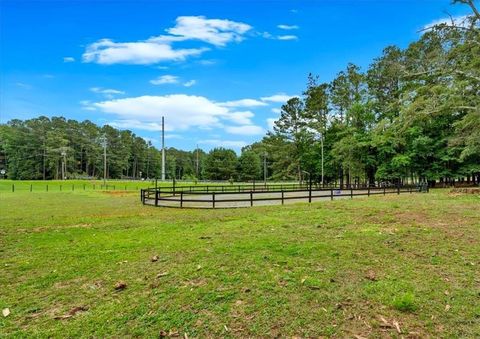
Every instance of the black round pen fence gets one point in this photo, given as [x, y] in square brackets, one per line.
[232, 196]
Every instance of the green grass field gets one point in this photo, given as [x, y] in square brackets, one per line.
[392, 266]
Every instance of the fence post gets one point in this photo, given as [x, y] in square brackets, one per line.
[30, 187]
[310, 194]
[331, 194]
[251, 198]
[351, 192]
[282, 198]
[181, 199]
[13, 187]
[398, 189]
[213, 199]
[47, 188]
[156, 197]
[383, 190]
[368, 191]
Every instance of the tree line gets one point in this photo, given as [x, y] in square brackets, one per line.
[413, 115]
[56, 148]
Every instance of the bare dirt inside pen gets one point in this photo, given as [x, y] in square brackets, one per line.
[248, 199]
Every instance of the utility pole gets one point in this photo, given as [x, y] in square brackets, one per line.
[163, 149]
[64, 167]
[104, 142]
[196, 171]
[265, 168]
[321, 140]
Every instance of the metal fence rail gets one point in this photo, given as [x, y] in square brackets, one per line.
[247, 195]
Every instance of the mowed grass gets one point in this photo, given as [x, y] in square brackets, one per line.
[13, 186]
[392, 266]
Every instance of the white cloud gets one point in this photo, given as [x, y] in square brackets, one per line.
[165, 79]
[108, 52]
[245, 130]
[214, 31]
[276, 110]
[279, 98]
[287, 37]
[108, 93]
[181, 112]
[136, 124]
[106, 90]
[190, 83]
[461, 20]
[158, 49]
[288, 27]
[224, 143]
[243, 103]
[68, 59]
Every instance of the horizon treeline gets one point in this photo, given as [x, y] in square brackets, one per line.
[413, 115]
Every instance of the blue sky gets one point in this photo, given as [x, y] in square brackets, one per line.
[217, 70]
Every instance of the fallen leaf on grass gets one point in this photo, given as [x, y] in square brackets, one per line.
[6, 312]
[120, 286]
[371, 275]
[154, 258]
[163, 274]
[72, 312]
[397, 326]
[385, 323]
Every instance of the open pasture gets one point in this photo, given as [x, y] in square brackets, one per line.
[397, 265]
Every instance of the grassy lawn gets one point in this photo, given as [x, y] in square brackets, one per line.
[405, 265]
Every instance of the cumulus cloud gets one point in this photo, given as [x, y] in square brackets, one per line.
[181, 112]
[165, 79]
[278, 98]
[108, 52]
[216, 32]
[68, 59]
[288, 27]
[213, 31]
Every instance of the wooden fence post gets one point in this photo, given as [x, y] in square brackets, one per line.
[13, 187]
[331, 194]
[398, 189]
[384, 190]
[282, 198]
[156, 197]
[251, 198]
[181, 199]
[213, 199]
[31, 187]
[351, 192]
[310, 194]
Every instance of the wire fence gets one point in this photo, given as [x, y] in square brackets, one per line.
[248, 195]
